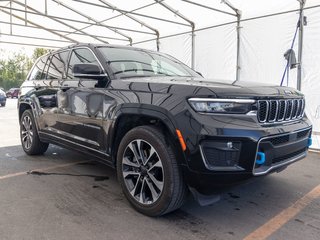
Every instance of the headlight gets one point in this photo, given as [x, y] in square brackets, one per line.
[216, 105]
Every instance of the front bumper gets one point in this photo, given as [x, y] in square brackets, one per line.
[223, 150]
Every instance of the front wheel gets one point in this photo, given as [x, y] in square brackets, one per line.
[30, 141]
[149, 173]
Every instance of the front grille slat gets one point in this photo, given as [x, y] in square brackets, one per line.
[273, 111]
[281, 110]
[295, 109]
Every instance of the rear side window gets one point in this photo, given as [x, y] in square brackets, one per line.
[58, 65]
[81, 55]
[37, 70]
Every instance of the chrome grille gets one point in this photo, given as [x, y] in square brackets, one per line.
[271, 111]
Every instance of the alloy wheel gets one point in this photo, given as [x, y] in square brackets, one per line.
[27, 132]
[142, 172]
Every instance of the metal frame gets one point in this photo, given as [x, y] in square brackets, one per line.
[107, 19]
[134, 19]
[300, 43]
[192, 25]
[238, 15]
[35, 24]
[133, 15]
[58, 21]
[59, 31]
[77, 21]
[92, 19]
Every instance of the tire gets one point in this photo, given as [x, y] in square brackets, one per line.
[3, 104]
[29, 137]
[153, 185]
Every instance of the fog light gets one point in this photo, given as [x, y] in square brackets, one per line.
[221, 154]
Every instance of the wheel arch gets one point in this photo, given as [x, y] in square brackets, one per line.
[23, 106]
[129, 118]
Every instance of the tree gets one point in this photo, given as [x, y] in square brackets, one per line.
[14, 70]
[38, 52]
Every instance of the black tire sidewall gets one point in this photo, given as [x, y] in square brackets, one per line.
[163, 151]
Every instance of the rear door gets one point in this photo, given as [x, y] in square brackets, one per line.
[41, 91]
[55, 73]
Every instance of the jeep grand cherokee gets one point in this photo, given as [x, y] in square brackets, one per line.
[162, 126]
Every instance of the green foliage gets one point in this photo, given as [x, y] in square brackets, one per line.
[38, 52]
[14, 70]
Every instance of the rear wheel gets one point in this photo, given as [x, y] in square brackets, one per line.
[148, 172]
[30, 141]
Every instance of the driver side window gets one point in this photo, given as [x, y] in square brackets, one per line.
[80, 55]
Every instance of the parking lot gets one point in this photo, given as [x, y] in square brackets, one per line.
[67, 195]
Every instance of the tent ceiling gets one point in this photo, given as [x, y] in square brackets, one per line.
[57, 23]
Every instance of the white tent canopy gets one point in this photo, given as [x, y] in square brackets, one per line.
[205, 35]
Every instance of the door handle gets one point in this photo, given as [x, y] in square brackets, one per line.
[65, 88]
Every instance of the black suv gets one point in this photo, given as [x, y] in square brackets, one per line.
[163, 127]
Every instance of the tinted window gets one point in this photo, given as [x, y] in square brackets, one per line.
[81, 55]
[37, 71]
[58, 65]
[126, 62]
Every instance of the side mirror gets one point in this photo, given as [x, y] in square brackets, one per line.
[86, 70]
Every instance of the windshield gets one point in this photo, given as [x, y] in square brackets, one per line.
[127, 63]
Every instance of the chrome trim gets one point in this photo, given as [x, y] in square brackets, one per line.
[252, 113]
[299, 107]
[81, 47]
[267, 111]
[60, 82]
[295, 113]
[302, 109]
[75, 143]
[286, 162]
[88, 125]
[222, 100]
[275, 114]
[73, 136]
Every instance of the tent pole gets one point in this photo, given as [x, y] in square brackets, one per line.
[192, 25]
[10, 17]
[300, 44]
[238, 15]
[158, 41]
[38, 26]
[238, 47]
[193, 47]
[25, 14]
[94, 20]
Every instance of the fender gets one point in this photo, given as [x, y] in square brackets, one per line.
[143, 110]
[35, 108]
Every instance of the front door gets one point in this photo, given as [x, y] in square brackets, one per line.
[80, 103]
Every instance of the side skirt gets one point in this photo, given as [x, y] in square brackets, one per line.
[101, 156]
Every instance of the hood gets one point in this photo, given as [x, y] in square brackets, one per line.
[206, 87]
